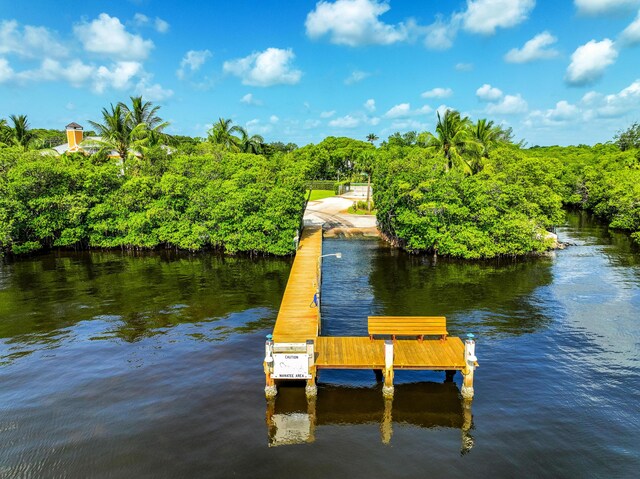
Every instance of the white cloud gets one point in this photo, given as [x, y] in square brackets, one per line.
[256, 127]
[488, 93]
[399, 111]
[370, 105]
[6, 72]
[347, 121]
[310, 124]
[153, 92]
[161, 25]
[589, 62]
[122, 75]
[509, 105]
[140, 19]
[249, 99]
[403, 110]
[631, 34]
[437, 93]
[274, 119]
[30, 42]
[354, 23]
[270, 67]
[107, 36]
[118, 76]
[440, 34]
[613, 105]
[192, 61]
[356, 76]
[534, 49]
[485, 16]
[562, 113]
[594, 7]
[464, 67]
[327, 114]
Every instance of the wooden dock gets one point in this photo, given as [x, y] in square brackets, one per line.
[296, 350]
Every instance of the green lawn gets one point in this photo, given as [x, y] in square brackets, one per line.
[319, 194]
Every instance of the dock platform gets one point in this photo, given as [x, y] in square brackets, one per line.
[297, 350]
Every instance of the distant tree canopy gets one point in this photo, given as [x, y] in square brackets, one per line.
[465, 190]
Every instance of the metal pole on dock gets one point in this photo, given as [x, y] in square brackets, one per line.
[270, 389]
[387, 389]
[467, 373]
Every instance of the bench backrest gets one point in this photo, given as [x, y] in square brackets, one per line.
[408, 325]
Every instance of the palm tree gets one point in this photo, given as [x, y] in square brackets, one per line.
[6, 133]
[117, 132]
[249, 144]
[144, 113]
[371, 137]
[486, 134]
[455, 141]
[21, 134]
[221, 133]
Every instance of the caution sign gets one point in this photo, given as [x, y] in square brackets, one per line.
[290, 366]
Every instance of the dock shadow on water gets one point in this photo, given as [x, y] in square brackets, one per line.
[294, 419]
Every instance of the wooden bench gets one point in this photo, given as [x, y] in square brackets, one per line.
[419, 326]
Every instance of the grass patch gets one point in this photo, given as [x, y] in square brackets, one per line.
[360, 208]
[320, 194]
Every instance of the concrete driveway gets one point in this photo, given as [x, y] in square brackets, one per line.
[329, 212]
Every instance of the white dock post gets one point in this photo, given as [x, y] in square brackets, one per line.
[470, 366]
[311, 390]
[387, 389]
[270, 389]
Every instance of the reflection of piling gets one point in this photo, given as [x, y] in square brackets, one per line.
[386, 426]
[387, 389]
[470, 366]
[270, 389]
[467, 425]
[311, 412]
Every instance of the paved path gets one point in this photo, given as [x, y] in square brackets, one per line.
[328, 212]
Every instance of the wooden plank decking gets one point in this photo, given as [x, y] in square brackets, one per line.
[297, 320]
[363, 353]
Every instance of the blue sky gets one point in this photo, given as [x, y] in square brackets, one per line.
[561, 72]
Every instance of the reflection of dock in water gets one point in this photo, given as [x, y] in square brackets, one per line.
[292, 419]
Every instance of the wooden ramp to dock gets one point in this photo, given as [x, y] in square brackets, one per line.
[298, 318]
[364, 353]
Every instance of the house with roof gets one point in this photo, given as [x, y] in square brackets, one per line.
[75, 138]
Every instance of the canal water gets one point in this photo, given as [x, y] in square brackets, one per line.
[116, 365]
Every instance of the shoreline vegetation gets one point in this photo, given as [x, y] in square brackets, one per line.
[468, 190]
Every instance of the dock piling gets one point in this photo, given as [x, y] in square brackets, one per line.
[311, 390]
[270, 389]
[467, 373]
[387, 389]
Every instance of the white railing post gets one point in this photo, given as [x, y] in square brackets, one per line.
[387, 389]
[270, 389]
[311, 389]
[470, 366]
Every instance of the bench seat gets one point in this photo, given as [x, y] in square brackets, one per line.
[419, 326]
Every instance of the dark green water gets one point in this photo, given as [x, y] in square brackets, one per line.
[150, 366]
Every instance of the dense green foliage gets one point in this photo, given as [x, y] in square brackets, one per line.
[467, 190]
[503, 210]
[212, 199]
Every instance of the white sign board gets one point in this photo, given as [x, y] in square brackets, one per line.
[291, 366]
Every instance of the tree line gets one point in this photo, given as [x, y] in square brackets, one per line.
[467, 190]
